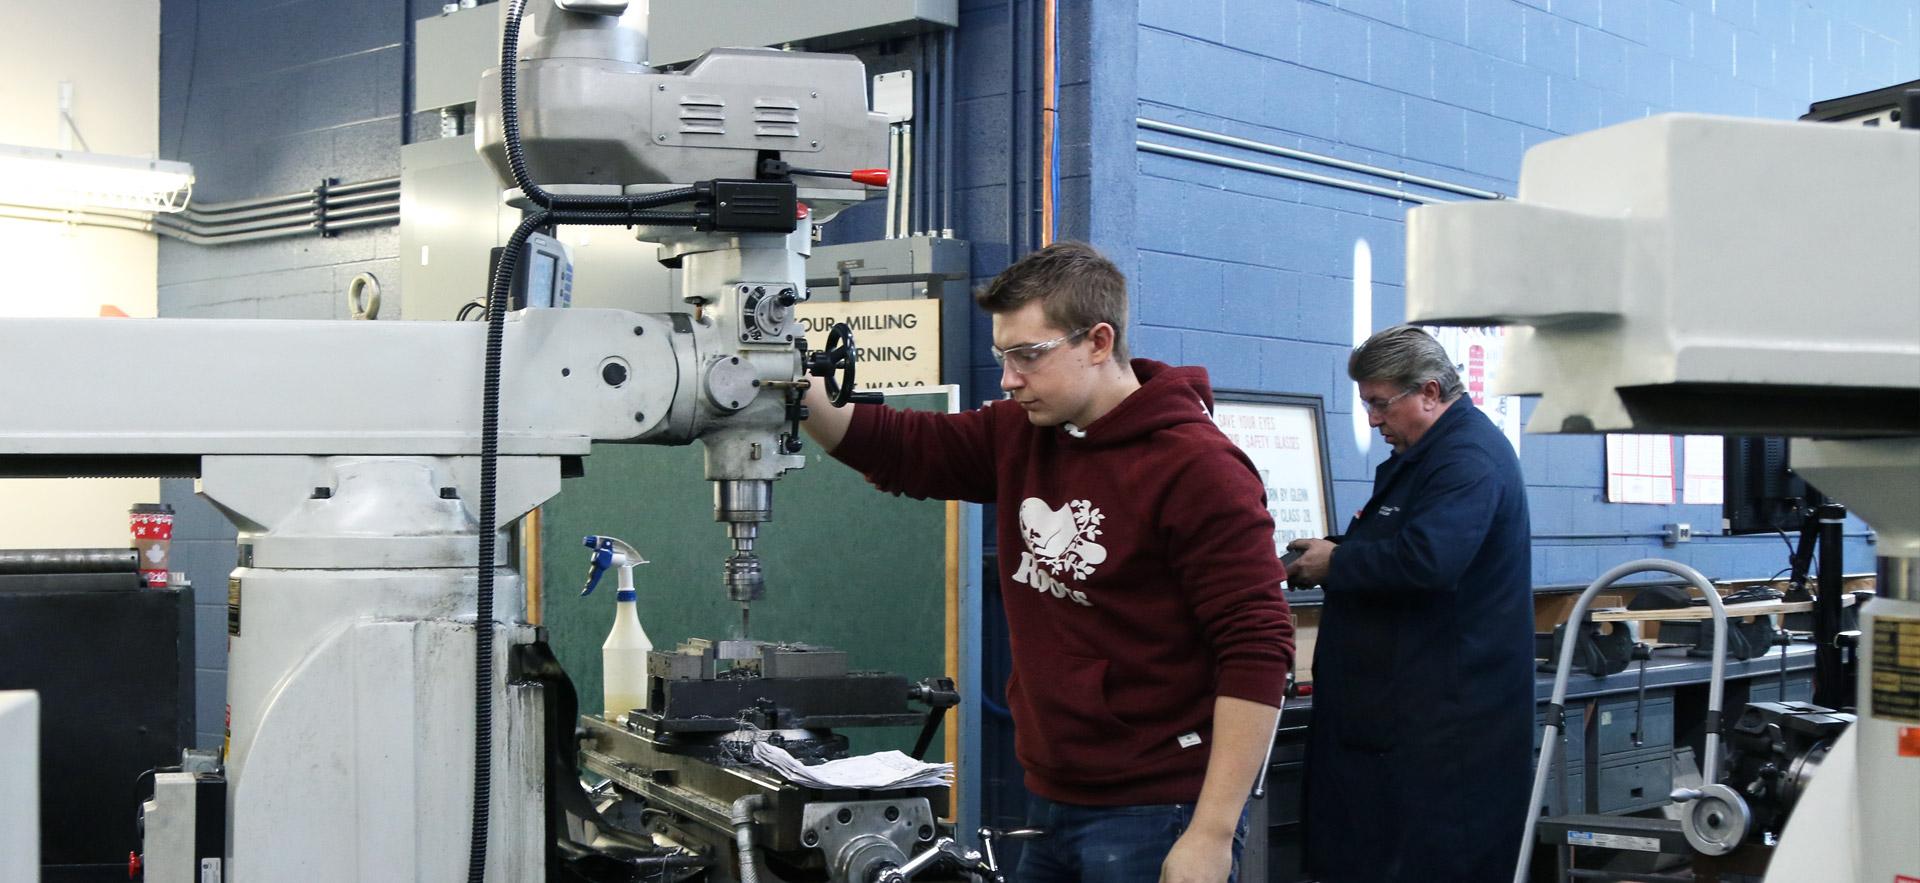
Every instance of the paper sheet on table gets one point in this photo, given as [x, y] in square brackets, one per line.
[883, 770]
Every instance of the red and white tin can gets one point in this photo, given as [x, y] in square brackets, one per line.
[152, 525]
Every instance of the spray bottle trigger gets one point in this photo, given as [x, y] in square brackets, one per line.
[602, 559]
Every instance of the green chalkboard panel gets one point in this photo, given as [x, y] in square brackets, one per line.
[846, 566]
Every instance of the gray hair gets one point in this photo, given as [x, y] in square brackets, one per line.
[1407, 357]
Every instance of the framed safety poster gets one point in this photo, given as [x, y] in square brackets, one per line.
[1286, 437]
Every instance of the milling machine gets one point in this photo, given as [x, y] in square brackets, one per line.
[1693, 274]
[374, 471]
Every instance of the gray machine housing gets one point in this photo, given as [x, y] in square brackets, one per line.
[616, 124]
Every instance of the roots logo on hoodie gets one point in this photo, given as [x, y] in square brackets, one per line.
[1060, 543]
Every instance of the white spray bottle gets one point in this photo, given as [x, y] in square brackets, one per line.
[623, 658]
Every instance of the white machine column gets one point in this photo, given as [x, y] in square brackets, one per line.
[1889, 738]
[351, 657]
[1880, 480]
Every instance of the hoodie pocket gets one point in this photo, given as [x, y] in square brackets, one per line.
[1064, 729]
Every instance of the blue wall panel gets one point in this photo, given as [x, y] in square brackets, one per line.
[1250, 275]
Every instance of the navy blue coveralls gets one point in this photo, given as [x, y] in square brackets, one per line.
[1419, 758]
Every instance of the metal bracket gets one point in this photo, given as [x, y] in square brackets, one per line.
[861, 837]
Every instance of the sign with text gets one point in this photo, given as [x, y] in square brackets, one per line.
[898, 340]
[1283, 441]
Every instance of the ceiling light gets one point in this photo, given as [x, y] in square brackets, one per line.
[68, 179]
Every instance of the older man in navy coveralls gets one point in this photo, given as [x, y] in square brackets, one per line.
[1419, 758]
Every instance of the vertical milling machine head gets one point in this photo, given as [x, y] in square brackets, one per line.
[774, 141]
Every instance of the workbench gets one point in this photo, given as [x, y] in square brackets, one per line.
[1606, 769]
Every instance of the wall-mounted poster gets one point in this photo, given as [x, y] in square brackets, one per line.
[1285, 436]
[1640, 468]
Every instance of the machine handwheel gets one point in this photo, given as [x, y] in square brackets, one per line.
[834, 364]
[1716, 822]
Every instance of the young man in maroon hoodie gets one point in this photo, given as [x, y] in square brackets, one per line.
[1142, 593]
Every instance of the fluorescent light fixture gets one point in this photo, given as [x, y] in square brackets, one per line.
[74, 180]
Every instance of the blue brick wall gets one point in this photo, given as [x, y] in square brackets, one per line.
[1250, 275]
[267, 99]
[997, 210]
[997, 199]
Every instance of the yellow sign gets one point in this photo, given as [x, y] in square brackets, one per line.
[898, 340]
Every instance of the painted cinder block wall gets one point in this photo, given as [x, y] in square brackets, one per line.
[1251, 275]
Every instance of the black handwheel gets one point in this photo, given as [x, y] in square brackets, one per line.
[834, 364]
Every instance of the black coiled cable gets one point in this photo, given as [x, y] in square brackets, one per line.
[497, 297]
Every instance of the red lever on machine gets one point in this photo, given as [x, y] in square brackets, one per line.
[870, 177]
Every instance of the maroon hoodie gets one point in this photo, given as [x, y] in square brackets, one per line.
[1138, 572]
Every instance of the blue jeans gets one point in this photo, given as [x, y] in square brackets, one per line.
[1107, 844]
